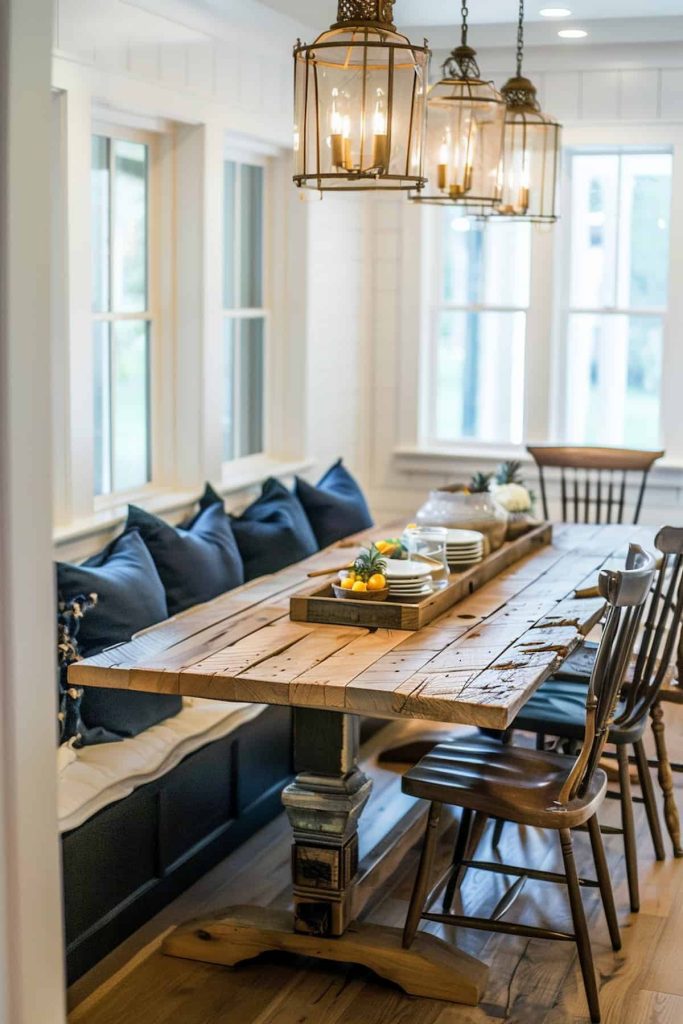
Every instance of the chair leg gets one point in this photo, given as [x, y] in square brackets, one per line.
[583, 943]
[666, 782]
[604, 881]
[629, 828]
[424, 872]
[497, 832]
[461, 842]
[648, 792]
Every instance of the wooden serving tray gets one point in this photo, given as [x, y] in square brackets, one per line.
[320, 604]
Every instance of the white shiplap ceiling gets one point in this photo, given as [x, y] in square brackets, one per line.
[447, 12]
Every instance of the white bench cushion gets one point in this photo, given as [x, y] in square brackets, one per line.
[95, 776]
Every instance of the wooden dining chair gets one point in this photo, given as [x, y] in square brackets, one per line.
[556, 709]
[594, 481]
[536, 788]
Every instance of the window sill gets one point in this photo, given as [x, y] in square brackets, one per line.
[237, 477]
[430, 458]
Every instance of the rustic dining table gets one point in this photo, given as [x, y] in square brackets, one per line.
[476, 664]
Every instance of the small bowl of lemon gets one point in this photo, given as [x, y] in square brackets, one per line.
[365, 580]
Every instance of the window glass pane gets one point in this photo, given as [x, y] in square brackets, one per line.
[101, 394]
[230, 328]
[644, 230]
[130, 226]
[479, 376]
[614, 372]
[130, 404]
[229, 229]
[462, 258]
[250, 391]
[251, 242]
[594, 229]
[99, 195]
[484, 263]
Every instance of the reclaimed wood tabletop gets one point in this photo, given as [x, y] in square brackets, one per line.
[476, 664]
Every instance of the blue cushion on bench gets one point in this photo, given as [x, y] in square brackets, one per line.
[336, 508]
[196, 562]
[130, 597]
[272, 533]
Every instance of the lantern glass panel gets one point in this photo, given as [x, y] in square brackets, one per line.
[530, 165]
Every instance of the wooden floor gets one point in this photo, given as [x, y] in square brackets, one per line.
[530, 982]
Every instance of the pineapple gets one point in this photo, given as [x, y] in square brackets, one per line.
[369, 563]
[480, 483]
[510, 473]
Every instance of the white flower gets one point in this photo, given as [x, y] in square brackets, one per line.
[513, 497]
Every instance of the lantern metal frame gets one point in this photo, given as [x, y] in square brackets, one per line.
[370, 25]
[461, 86]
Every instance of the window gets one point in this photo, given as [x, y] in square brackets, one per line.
[617, 295]
[477, 330]
[244, 313]
[123, 318]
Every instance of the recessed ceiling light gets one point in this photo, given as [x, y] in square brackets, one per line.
[572, 33]
[555, 12]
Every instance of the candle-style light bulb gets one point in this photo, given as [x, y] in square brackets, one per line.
[336, 131]
[442, 166]
[380, 138]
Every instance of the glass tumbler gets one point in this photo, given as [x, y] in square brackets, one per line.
[429, 542]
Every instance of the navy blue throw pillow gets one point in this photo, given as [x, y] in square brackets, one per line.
[130, 597]
[196, 563]
[273, 532]
[336, 508]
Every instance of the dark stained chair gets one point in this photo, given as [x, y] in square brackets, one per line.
[594, 482]
[556, 709]
[535, 788]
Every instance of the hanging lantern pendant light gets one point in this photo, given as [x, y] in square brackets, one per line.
[531, 148]
[465, 122]
[359, 100]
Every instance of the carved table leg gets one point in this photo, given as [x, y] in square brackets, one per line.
[665, 777]
[323, 805]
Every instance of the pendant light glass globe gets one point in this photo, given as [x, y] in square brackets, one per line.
[360, 104]
[465, 122]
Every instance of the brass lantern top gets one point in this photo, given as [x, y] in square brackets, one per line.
[375, 13]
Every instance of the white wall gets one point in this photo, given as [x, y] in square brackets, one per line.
[31, 955]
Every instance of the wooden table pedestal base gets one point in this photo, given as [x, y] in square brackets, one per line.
[431, 968]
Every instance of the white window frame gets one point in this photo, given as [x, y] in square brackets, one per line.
[619, 139]
[416, 290]
[152, 315]
[255, 157]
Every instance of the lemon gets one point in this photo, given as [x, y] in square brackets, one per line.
[359, 586]
[347, 583]
[377, 582]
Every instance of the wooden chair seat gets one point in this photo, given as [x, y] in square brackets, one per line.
[558, 708]
[506, 782]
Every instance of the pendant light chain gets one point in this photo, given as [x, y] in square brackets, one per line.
[464, 13]
[520, 39]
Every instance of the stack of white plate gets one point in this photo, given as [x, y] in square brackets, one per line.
[464, 548]
[407, 579]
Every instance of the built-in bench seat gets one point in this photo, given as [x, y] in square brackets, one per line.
[97, 776]
[143, 818]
